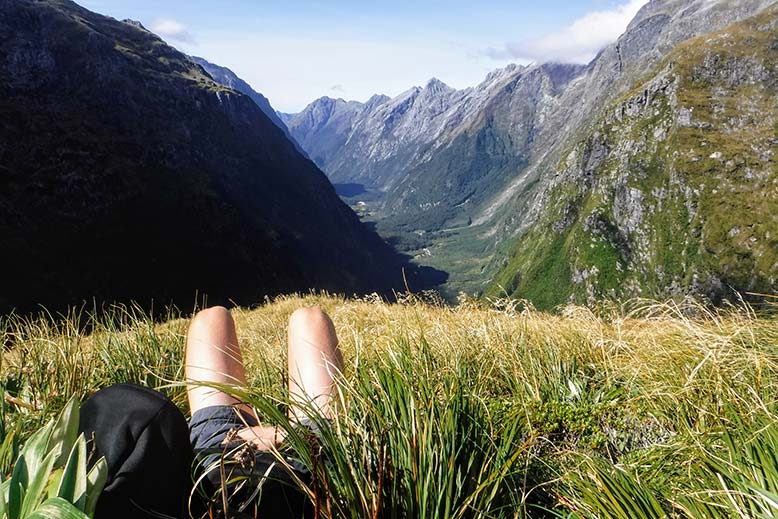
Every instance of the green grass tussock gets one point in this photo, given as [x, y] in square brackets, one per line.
[478, 410]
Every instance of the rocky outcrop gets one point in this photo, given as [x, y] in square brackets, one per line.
[128, 173]
[656, 30]
[673, 190]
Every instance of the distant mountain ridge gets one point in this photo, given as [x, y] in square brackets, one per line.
[128, 173]
[471, 169]
[402, 146]
[228, 78]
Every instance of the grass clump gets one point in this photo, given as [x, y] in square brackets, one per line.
[475, 410]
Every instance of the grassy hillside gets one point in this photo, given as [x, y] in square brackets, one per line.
[474, 410]
[673, 191]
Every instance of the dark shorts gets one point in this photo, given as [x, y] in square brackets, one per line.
[258, 483]
[209, 426]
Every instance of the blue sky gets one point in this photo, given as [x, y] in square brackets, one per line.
[294, 51]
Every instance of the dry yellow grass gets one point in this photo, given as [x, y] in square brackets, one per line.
[674, 353]
[646, 385]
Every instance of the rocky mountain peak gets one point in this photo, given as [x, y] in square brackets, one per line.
[324, 107]
[502, 73]
[375, 101]
[328, 101]
[135, 23]
[435, 85]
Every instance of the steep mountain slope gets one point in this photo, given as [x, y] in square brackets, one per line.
[128, 173]
[285, 117]
[489, 137]
[321, 129]
[674, 190]
[228, 78]
[658, 28]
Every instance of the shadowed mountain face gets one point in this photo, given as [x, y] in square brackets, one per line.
[128, 173]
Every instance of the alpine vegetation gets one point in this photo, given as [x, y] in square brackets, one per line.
[477, 410]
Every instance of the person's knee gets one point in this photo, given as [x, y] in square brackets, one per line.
[307, 317]
[213, 316]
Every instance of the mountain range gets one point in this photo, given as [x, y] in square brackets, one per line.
[128, 173]
[466, 180]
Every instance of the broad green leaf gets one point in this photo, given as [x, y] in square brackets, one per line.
[32, 455]
[73, 484]
[95, 483]
[57, 508]
[3, 496]
[54, 481]
[35, 492]
[15, 497]
[65, 430]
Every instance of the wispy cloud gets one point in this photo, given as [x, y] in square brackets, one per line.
[337, 88]
[576, 43]
[172, 30]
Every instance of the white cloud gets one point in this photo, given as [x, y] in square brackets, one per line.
[172, 30]
[578, 42]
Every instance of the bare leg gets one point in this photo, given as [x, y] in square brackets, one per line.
[212, 356]
[314, 357]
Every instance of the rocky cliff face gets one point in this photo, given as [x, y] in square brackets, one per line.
[673, 191]
[656, 30]
[126, 172]
[488, 137]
